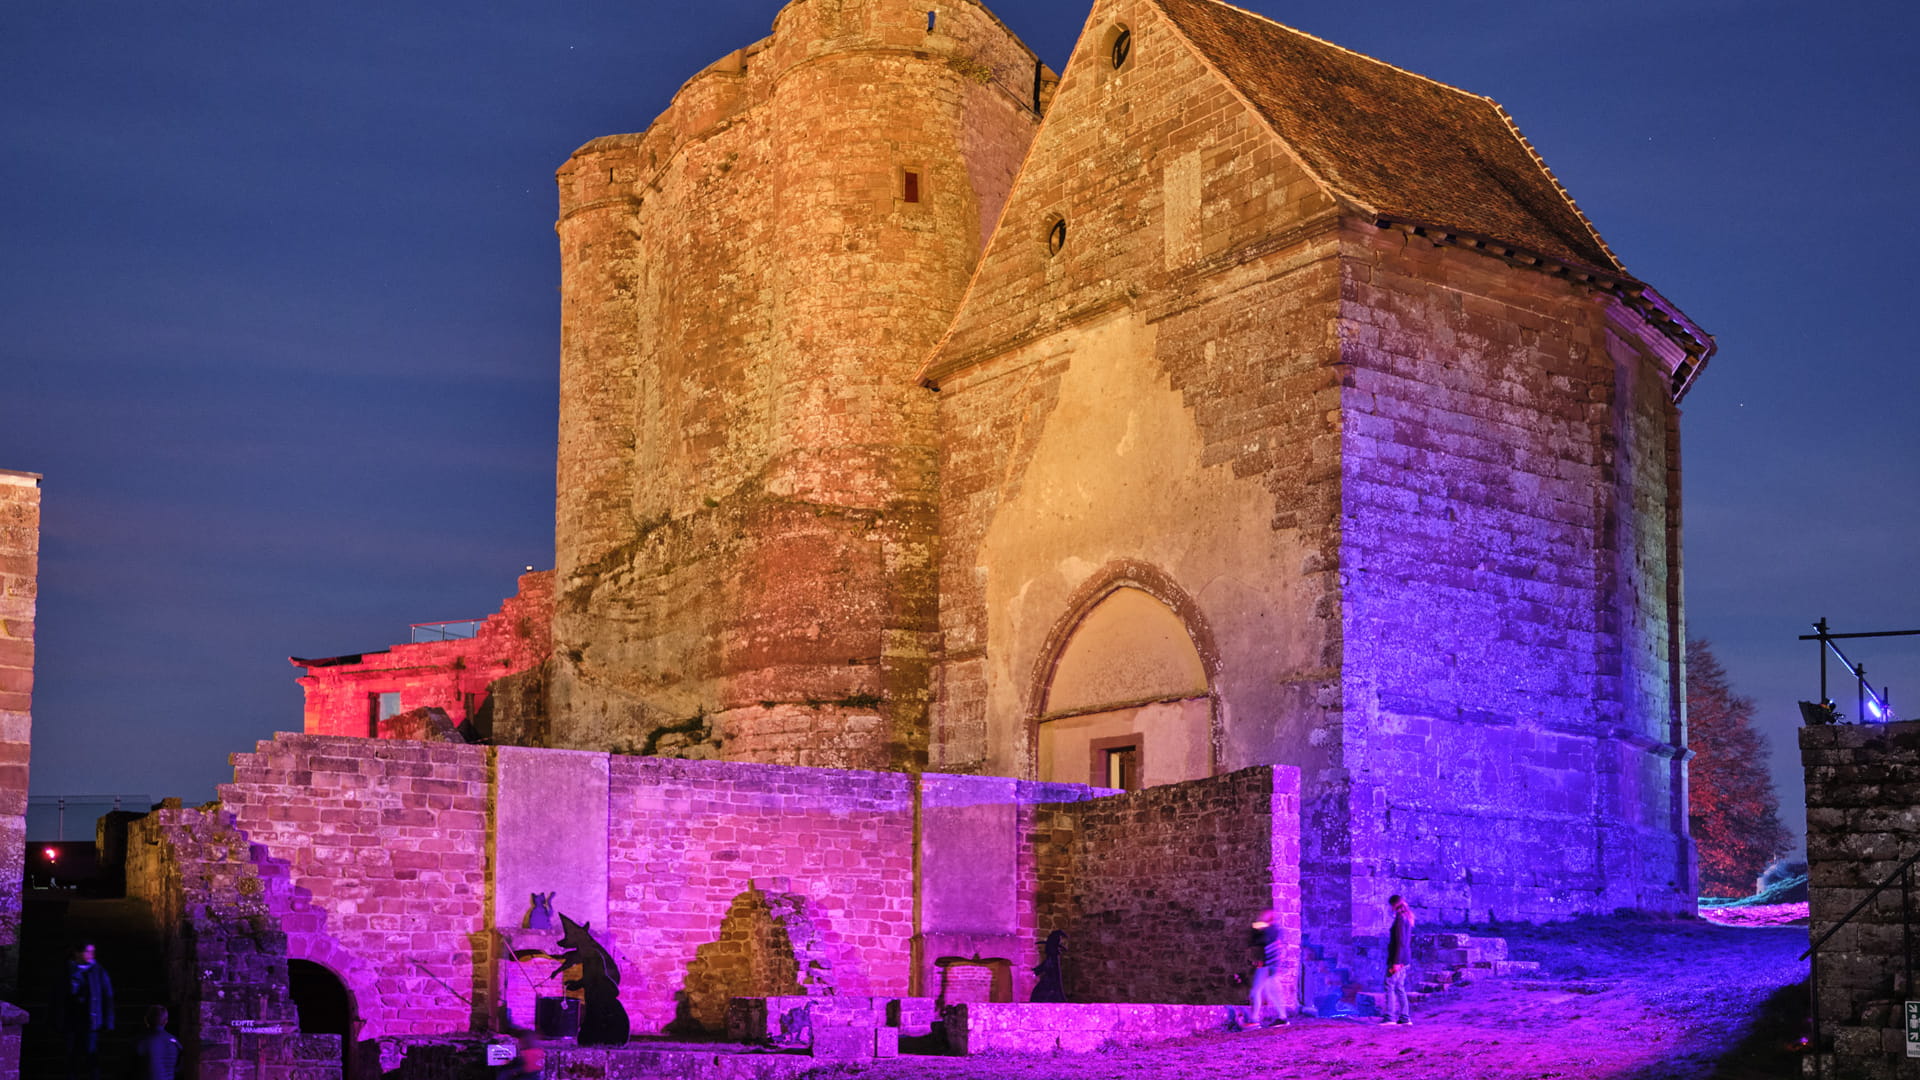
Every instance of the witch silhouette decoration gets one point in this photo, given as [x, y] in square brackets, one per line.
[603, 1020]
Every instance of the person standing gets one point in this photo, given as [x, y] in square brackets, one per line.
[87, 1011]
[1398, 1009]
[157, 1055]
[1264, 940]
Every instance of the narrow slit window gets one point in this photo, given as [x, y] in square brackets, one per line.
[910, 186]
[932, 17]
[1057, 237]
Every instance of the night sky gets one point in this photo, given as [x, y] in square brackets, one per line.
[280, 321]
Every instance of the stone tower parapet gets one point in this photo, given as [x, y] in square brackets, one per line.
[745, 522]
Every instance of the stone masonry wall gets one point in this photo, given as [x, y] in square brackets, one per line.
[453, 676]
[745, 527]
[1156, 890]
[19, 579]
[1512, 718]
[385, 844]
[704, 854]
[219, 903]
[1863, 820]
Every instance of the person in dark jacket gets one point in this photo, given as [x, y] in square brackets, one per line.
[1264, 941]
[86, 1011]
[1398, 1009]
[157, 1055]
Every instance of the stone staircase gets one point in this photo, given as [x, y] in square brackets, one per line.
[1448, 961]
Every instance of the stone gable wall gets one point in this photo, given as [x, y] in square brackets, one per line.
[1863, 820]
[19, 587]
[1511, 600]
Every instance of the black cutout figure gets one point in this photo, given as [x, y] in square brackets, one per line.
[1052, 985]
[603, 1020]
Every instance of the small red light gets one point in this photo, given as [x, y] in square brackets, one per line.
[52, 854]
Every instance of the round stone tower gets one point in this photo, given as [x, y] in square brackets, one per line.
[746, 514]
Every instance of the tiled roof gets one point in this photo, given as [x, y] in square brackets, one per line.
[1402, 145]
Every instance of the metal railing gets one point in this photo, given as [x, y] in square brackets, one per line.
[86, 809]
[1904, 872]
[455, 630]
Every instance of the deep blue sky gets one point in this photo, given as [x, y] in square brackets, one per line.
[280, 327]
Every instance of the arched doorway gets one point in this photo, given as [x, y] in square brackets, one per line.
[1127, 703]
[324, 1005]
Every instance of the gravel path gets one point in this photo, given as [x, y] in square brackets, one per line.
[1627, 998]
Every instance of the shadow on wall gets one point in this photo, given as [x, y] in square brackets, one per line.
[769, 946]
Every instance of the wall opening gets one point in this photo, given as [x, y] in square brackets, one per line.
[910, 186]
[324, 1005]
[1128, 703]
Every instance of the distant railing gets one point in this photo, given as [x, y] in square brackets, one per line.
[1904, 874]
[456, 630]
[50, 816]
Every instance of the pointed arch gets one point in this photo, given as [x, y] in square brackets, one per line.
[1178, 693]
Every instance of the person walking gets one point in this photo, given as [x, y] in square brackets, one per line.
[1051, 983]
[86, 1011]
[156, 1056]
[1264, 940]
[1398, 1009]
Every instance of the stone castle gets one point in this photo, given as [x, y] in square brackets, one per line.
[1234, 400]
[1232, 419]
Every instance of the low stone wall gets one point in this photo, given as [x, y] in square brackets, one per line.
[1156, 890]
[1863, 821]
[976, 1028]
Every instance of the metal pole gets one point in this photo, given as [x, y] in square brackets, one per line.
[1813, 992]
[1860, 712]
[1822, 627]
[63, 819]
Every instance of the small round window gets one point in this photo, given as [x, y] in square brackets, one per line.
[1056, 236]
[1122, 47]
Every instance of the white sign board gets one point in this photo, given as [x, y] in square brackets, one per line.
[1913, 1029]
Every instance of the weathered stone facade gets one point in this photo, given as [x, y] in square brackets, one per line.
[1863, 821]
[745, 530]
[19, 591]
[1266, 407]
[1413, 496]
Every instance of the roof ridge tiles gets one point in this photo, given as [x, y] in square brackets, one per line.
[1309, 35]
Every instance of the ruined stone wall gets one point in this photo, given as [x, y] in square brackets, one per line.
[385, 847]
[745, 530]
[720, 872]
[1863, 820]
[1511, 709]
[1156, 890]
[219, 903]
[454, 676]
[19, 582]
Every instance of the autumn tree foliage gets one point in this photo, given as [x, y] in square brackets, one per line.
[1735, 813]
